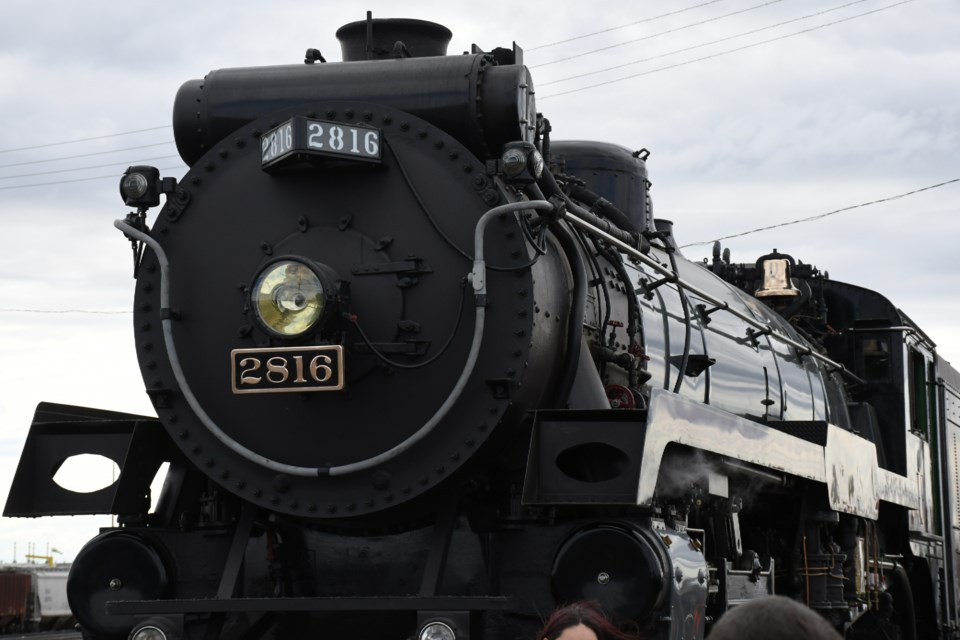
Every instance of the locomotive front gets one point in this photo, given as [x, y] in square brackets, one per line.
[323, 249]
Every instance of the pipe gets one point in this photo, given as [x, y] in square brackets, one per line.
[477, 276]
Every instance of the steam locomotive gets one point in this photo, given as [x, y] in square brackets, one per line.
[421, 372]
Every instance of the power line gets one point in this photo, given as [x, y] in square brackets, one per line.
[722, 53]
[89, 311]
[84, 155]
[704, 44]
[57, 144]
[47, 184]
[822, 215]
[96, 166]
[622, 26]
[661, 33]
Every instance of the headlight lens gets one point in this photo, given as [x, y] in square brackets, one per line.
[289, 298]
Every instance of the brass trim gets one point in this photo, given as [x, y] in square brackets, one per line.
[301, 370]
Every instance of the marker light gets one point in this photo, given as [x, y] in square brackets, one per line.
[290, 298]
[148, 632]
[140, 186]
[521, 163]
[437, 630]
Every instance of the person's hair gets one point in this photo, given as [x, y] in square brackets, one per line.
[589, 614]
[772, 618]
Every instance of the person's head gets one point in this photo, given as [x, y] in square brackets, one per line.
[772, 618]
[581, 621]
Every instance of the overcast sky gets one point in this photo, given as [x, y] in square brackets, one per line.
[754, 114]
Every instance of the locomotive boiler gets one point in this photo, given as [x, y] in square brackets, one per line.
[420, 371]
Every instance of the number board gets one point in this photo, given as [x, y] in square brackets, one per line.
[283, 369]
[301, 136]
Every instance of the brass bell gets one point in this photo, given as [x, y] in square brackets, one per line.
[776, 279]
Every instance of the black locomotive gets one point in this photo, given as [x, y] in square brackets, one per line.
[421, 372]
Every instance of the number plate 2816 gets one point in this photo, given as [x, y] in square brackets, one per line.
[283, 369]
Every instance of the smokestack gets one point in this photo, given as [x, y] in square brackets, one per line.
[385, 38]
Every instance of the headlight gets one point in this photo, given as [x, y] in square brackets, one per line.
[290, 298]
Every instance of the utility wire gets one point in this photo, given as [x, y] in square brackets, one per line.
[47, 184]
[661, 33]
[57, 144]
[84, 155]
[722, 53]
[91, 311]
[96, 166]
[822, 215]
[622, 26]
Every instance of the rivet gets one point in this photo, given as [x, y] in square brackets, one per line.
[174, 419]
[438, 144]
[208, 463]
[151, 364]
[404, 126]
[195, 181]
[380, 480]
[330, 113]
[440, 469]
[208, 166]
[240, 484]
[368, 115]
[387, 120]
[223, 153]
[274, 500]
[195, 449]
[184, 434]
[257, 493]
[145, 307]
[224, 475]
[348, 112]
[422, 134]
[147, 346]
[240, 143]
[453, 155]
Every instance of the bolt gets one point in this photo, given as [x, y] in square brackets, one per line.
[603, 577]
[116, 584]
